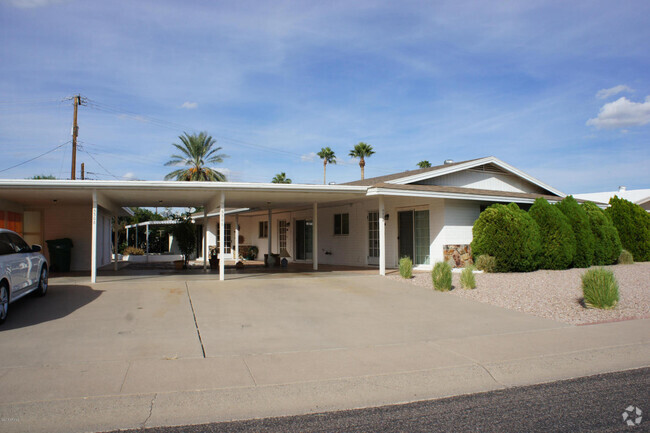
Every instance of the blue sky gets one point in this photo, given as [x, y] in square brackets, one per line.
[558, 89]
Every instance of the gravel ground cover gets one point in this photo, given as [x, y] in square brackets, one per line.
[555, 295]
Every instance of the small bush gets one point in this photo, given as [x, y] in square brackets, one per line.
[600, 289]
[558, 240]
[633, 225]
[486, 263]
[607, 247]
[625, 258]
[406, 267]
[441, 276]
[580, 224]
[467, 279]
[510, 235]
[133, 251]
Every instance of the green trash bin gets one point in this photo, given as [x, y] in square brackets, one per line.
[60, 254]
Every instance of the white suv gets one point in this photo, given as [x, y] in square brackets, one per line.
[23, 270]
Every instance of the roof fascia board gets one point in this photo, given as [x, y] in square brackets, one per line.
[471, 164]
[450, 195]
[174, 185]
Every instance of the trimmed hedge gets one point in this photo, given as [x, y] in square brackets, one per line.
[510, 235]
[633, 225]
[607, 246]
[558, 240]
[580, 224]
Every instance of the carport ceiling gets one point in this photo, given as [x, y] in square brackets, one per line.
[173, 194]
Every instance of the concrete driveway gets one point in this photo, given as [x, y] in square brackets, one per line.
[172, 349]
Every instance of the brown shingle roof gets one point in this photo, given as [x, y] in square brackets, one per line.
[379, 179]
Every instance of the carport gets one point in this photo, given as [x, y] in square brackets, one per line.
[109, 198]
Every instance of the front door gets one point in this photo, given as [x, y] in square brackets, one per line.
[373, 238]
[405, 233]
[304, 239]
[413, 232]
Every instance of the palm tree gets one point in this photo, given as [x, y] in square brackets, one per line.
[424, 164]
[362, 151]
[281, 178]
[328, 157]
[196, 152]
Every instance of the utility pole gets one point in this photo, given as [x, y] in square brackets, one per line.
[77, 101]
[83, 172]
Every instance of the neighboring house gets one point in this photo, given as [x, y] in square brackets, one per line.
[426, 214]
[638, 196]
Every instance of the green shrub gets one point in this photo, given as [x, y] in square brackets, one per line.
[441, 276]
[600, 288]
[133, 251]
[633, 225]
[607, 245]
[486, 263]
[467, 279]
[508, 234]
[579, 221]
[558, 240]
[406, 267]
[625, 258]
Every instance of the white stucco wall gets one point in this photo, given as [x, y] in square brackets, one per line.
[485, 180]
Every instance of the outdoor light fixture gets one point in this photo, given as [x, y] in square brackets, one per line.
[386, 217]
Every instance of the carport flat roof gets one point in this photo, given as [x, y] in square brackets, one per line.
[173, 193]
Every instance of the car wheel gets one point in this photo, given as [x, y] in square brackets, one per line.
[42, 283]
[4, 302]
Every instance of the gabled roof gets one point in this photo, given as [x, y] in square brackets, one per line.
[413, 176]
[638, 196]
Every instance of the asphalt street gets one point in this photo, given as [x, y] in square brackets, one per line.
[594, 404]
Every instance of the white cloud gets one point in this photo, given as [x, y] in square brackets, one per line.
[606, 93]
[129, 176]
[189, 105]
[622, 113]
[309, 157]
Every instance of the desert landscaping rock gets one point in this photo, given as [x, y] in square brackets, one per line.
[555, 295]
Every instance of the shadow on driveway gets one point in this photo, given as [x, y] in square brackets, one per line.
[60, 301]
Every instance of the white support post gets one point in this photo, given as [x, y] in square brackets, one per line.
[146, 227]
[93, 252]
[127, 236]
[205, 237]
[236, 238]
[222, 230]
[115, 249]
[382, 237]
[315, 238]
[270, 230]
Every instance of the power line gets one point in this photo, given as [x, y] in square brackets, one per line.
[36, 157]
[108, 172]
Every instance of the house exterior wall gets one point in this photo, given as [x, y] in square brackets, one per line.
[484, 180]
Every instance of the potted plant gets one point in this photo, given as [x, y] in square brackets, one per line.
[184, 233]
[214, 257]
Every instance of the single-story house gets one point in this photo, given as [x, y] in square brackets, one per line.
[426, 214]
[638, 196]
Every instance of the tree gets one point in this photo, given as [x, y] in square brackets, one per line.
[558, 240]
[184, 232]
[424, 164]
[581, 226]
[281, 178]
[362, 151]
[43, 177]
[607, 247]
[633, 225]
[328, 157]
[196, 152]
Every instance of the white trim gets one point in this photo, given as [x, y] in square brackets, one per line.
[470, 164]
[435, 194]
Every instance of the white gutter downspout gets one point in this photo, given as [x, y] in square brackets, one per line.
[93, 253]
[382, 237]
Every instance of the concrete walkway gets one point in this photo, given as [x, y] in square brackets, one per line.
[164, 351]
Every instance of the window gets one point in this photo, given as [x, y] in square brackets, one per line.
[282, 235]
[5, 245]
[19, 244]
[264, 229]
[227, 246]
[342, 224]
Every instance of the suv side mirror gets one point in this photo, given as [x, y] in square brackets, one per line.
[36, 248]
